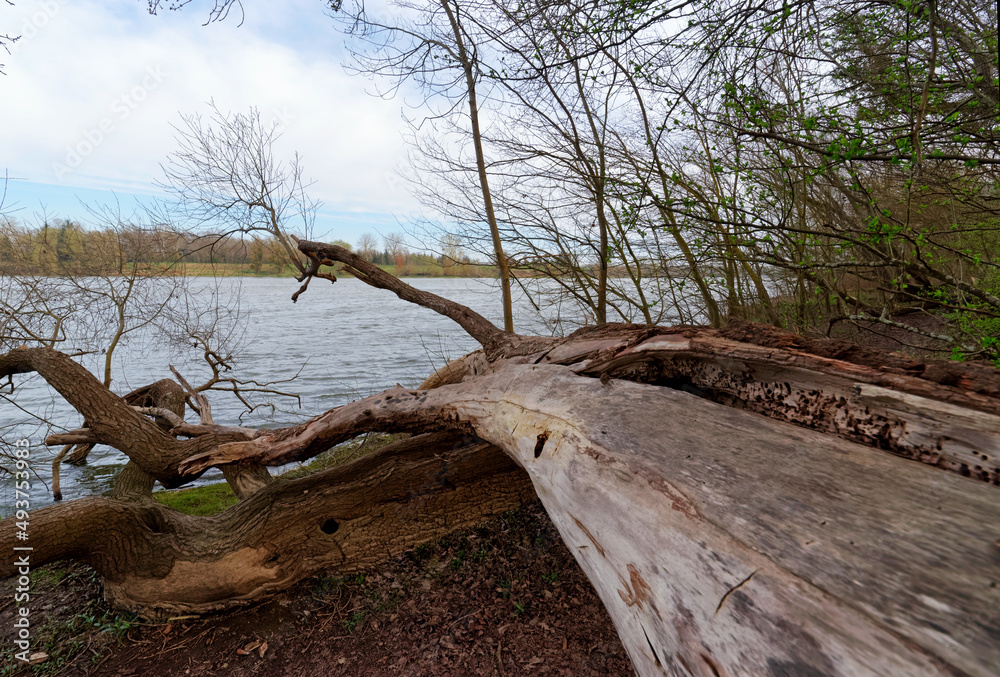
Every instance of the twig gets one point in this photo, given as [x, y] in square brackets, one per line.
[56, 490]
[883, 319]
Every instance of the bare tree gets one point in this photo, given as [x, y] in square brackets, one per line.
[574, 187]
[451, 253]
[394, 244]
[224, 175]
[92, 292]
[367, 246]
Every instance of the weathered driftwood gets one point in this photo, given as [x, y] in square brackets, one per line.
[745, 502]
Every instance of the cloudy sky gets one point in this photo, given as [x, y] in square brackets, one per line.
[92, 88]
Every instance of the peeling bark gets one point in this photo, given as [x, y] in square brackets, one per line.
[939, 424]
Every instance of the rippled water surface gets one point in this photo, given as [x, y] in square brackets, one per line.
[345, 341]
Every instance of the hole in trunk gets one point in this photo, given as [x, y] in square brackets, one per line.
[330, 526]
[684, 384]
[540, 444]
[153, 521]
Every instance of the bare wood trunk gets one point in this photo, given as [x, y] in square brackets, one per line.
[722, 542]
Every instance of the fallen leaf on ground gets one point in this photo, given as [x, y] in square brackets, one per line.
[248, 648]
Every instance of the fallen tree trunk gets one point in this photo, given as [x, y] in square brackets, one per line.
[745, 502]
[723, 543]
[156, 561]
[711, 532]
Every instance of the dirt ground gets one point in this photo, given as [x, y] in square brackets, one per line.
[503, 599]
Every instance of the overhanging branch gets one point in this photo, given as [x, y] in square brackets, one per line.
[491, 337]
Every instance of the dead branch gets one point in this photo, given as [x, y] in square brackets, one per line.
[160, 412]
[198, 401]
[493, 339]
[72, 438]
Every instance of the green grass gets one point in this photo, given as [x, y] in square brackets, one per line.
[51, 574]
[200, 501]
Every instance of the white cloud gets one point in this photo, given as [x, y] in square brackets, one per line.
[98, 87]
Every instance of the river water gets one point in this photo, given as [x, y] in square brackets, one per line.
[344, 341]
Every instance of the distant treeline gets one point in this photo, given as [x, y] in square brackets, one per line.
[63, 246]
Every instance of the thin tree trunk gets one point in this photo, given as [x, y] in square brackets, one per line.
[477, 142]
